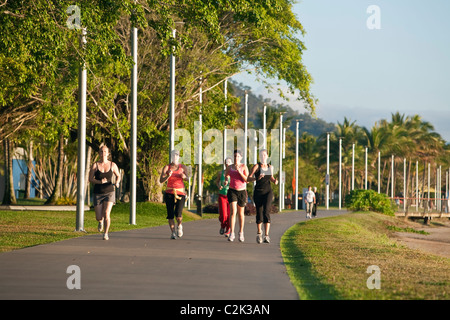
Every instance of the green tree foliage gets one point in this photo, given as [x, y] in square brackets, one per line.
[40, 57]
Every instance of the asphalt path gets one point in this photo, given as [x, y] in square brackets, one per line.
[146, 264]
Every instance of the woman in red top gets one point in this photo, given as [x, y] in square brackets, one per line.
[175, 195]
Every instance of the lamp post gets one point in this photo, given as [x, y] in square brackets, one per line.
[200, 156]
[365, 170]
[245, 127]
[340, 172]
[225, 91]
[353, 167]
[81, 140]
[379, 171]
[296, 163]
[280, 183]
[392, 175]
[133, 118]
[264, 126]
[327, 178]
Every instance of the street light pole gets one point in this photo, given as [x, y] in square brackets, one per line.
[379, 171]
[353, 167]
[225, 91]
[296, 164]
[340, 172]
[245, 127]
[264, 126]
[133, 145]
[200, 155]
[81, 140]
[327, 178]
[365, 175]
[392, 175]
[172, 98]
[280, 183]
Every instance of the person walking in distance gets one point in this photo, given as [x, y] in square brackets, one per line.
[262, 173]
[175, 195]
[316, 204]
[100, 175]
[237, 194]
[310, 200]
[224, 205]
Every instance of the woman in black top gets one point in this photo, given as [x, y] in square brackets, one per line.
[262, 173]
[104, 192]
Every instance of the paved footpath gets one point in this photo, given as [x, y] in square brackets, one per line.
[147, 264]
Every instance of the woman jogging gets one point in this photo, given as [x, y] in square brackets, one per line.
[175, 195]
[104, 193]
[262, 173]
[237, 194]
[224, 205]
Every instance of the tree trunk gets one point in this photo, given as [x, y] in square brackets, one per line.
[29, 170]
[56, 194]
[9, 196]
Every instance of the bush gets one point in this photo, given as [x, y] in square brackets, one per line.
[369, 200]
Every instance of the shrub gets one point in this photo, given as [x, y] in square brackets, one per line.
[369, 200]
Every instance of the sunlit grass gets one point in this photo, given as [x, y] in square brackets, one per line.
[328, 259]
[19, 229]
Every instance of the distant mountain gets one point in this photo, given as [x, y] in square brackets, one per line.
[308, 124]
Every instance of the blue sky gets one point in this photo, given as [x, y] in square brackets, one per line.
[367, 74]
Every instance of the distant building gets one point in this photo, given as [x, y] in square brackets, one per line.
[20, 170]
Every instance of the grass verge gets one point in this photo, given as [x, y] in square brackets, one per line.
[328, 259]
[19, 229]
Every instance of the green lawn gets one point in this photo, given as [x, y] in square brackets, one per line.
[328, 259]
[19, 229]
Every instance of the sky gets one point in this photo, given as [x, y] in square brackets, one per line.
[367, 65]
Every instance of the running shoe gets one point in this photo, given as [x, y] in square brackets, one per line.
[105, 236]
[180, 231]
[241, 237]
[227, 233]
[100, 226]
[266, 239]
[221, 231]
[259, 238]
[174, 235]
[231, 237]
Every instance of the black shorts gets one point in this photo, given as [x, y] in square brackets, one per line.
[104, 197]
[237, 195]
[174, 209]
